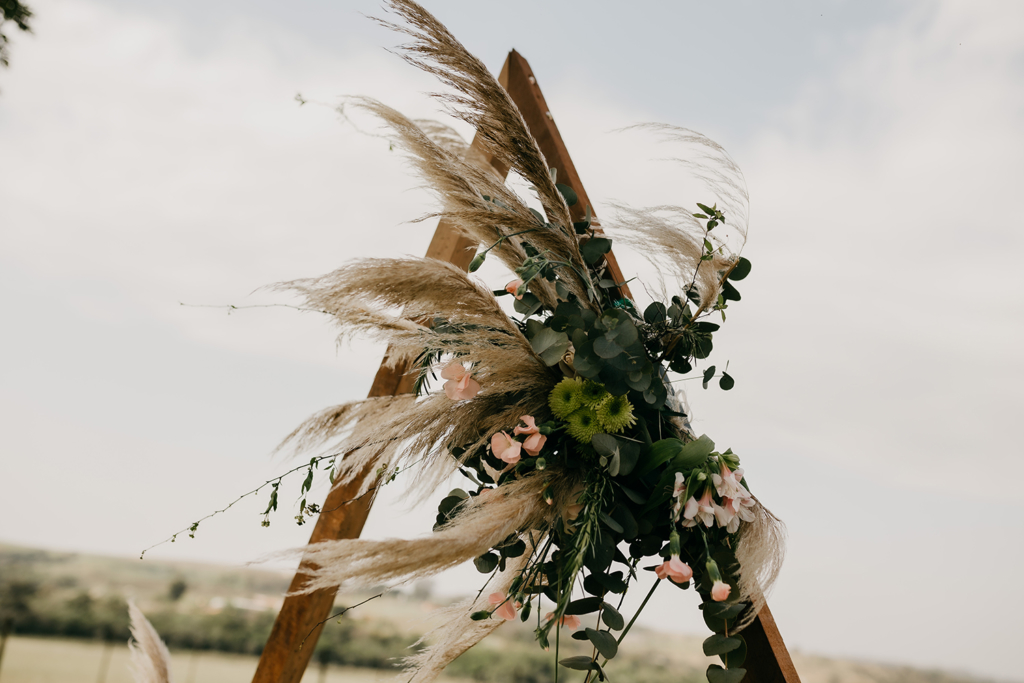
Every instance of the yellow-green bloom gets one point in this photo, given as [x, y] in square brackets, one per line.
[616, 414]
[565, 398]
[593, 393]
[583, 424]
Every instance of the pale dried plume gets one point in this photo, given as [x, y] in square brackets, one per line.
[482, 523]
[760, 553]
[150, 660]
[457, 632]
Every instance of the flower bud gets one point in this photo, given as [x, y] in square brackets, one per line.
[477, 261]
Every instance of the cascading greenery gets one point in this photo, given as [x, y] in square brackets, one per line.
[648, 488]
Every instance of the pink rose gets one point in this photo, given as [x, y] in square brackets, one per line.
[675, 570]
[505, 448]
[513, 287]
[720, 591]
[460, 385]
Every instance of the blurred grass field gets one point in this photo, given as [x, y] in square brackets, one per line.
[61, 660]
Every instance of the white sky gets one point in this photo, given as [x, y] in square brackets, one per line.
[152, 153]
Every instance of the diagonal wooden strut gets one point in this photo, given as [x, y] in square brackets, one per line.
[298, 625]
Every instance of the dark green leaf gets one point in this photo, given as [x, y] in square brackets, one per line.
[655, 313]
[606, 348]
[538, 215]
[528, 305]
[604, 641]
[480, 616]
[550, 345]
[612, 619]
[486, 563]
[605, 444]
[718, 643]
[717, 674]
[583, 606]
[694, 453]
[735, 658]
[708, 375]
[727, 382]
[594, 248]
[730, 293]
[583, 663]
[581, 227]
[741, 270]
[724, 610]
[568, 193]
[579, 635]
[610, 523]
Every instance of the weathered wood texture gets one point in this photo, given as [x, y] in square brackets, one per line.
[298, 626]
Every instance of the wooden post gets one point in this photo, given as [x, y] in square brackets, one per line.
[298, 626]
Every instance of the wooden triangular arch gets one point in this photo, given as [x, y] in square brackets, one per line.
[302, 617]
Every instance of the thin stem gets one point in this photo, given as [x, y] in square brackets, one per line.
[643, 604]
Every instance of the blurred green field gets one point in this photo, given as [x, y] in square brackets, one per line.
[60, 660]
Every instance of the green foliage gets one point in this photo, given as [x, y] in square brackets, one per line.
[19, 14]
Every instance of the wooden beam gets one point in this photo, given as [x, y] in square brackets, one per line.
[298, 625]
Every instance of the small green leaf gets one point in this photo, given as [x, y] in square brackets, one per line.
[708, 375]
[486, 563]
[528, 305]
[583, 606]
[741, 270]
[717, 674]
[730, 293]
[694, 453]
[610, 523]
[604, 641]
[655, 313]
[727, 382]
[718, 643]
[606, 348]
[611, 617]
[569, 194]
[594, 248]
[480, 616]
[550, 345]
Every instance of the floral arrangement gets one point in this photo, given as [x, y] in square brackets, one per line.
[585, 474]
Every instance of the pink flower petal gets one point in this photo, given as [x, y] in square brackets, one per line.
[534, 443]
[514, 286]
[530, 428]
[454, 370]
[720, 591]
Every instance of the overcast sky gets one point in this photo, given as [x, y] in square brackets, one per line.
[152, 153]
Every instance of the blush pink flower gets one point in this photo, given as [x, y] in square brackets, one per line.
[460, 385]
[675, 570]
[572, 621]
[728, 483]
[513, 287]
[507, 610]
[702, 510]
[535, 440]
[720, 591]
[506, 448]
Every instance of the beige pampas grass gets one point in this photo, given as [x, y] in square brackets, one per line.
[482, 523]
[363, 297]
[760, 553]
[458, 633]
[150, 660]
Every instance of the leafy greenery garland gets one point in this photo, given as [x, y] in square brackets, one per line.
[644, 481]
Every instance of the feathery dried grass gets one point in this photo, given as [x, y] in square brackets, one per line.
[461, 186]
[760, 553]
[481, 524]
[458, 632]
[514, 380]
[669, 236]
[150, 660]
[478, 99]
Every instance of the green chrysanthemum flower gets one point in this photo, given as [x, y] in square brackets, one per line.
[583, 424]
[594, 394]
[616, 414]
[565, 398]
